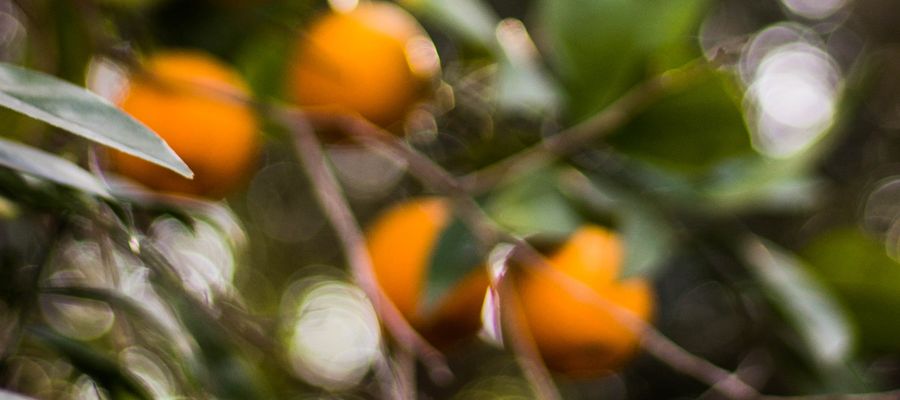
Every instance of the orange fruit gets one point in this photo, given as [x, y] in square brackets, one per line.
[573, 334]
[187, 98]
[374, 60]
[400, 243]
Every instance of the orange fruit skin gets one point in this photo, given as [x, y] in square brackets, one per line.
[574, 335]
[185, 99]
[400, 243]
[374, 60]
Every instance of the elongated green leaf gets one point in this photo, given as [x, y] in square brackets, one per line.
[83, 113]
[7, 395]
[692, 130]
[533, 204]
[472, 20]
[47, 166]
[100, 368]
[866, 279]
[603, 47]
[524, 86]
[456, 253]
[806, 304]
[523, 83]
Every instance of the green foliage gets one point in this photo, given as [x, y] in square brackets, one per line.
[106, 372]
[48, 166]
[533, 204]
[866, 278]
[676, 173]
[806, 303]
[456, 254]
[83, 113]
[602, 48]
[691, 131]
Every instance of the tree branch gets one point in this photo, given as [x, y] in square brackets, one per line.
[653, 341]
[336, 209]
[600, 124]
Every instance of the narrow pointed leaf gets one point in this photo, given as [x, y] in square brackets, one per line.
[83, 113]
[456, 254]
[99, 367]
[7, 395]
[47, 166]
[804, 301]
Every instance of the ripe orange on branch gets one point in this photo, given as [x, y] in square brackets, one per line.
[374, 60]
[191, 100]
[401, 242]
[574, 334]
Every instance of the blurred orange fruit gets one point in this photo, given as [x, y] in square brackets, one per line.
[189, 99]
[374, 60]
[401, 242]
[573, 334]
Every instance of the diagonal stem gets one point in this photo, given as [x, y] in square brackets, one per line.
[336, 209]
[653, 341]
[600, 124]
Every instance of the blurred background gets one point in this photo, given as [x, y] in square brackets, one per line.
[761, 198]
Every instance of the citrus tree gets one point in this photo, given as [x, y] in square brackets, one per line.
[554, 199]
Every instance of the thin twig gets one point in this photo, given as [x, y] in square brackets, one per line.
[460, 190]
[520, 339]
[600, 124]
[657, 344]
[338, 212]
[438, 178]
[405, 365]
[889, 395]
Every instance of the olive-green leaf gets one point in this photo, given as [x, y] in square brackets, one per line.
[41, 164]
[600, 48]
[533, 205]
[471, 20]
[455, 255]
[101, 368]
[865, 278]
[806, 304]
[83, 113]
[7, 395]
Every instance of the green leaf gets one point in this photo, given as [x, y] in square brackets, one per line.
[263, 63]
[806, 304]
[757, 181]
[7, 395]
[690, 131]
[533, 204]
[866, 279]
[471, 20]
[115, 299]
[47, 166]
[100, 368]
[603, 47]
[648, 237]
[524, 86]
[456, 253]
[230, 375]
[83, 113]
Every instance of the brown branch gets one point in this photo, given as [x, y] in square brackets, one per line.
[889, 395]
[600, 124]
[520, 339]
[653, 341]
[460, 190]
[336, 209]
